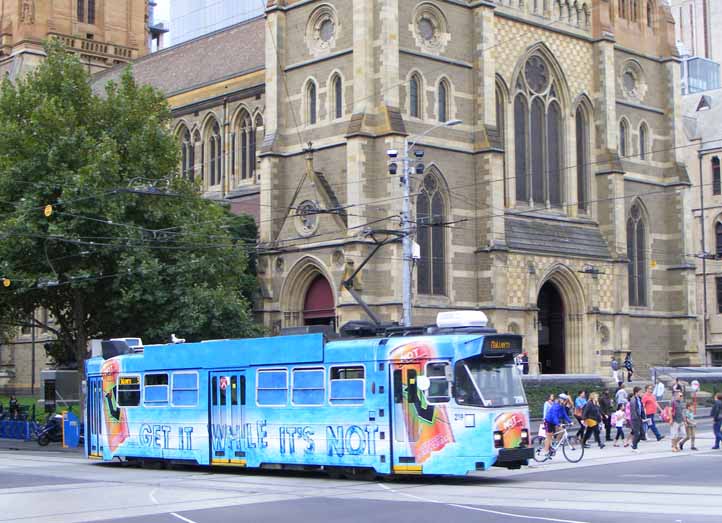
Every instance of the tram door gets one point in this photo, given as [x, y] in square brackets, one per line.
[94, 413]
[405, 417]
[228, 402]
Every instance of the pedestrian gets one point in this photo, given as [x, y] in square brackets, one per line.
[628, 419]
[547, 405]
[659, 390]
[556, 414]
[517, 362]
[650, 409]
[614, 364]
[14, 407]
[525, 363]
[636, 410]
[716, 415]
[677, 387]
[605, 405]
[592, 416]
[621, 395]
[629, 365]
[690, 427]
[676, 427]
[579, 404]
[619, 418]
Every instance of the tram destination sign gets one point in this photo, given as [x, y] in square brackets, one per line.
[501, 345]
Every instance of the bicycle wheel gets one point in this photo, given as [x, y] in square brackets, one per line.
[540, 454]
[573, 451]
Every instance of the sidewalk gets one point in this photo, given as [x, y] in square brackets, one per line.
[32, 446]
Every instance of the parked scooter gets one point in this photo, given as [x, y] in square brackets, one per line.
[52, 431]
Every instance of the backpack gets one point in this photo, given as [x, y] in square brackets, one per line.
[667, 414]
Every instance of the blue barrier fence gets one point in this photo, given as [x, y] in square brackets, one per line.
[13, 429]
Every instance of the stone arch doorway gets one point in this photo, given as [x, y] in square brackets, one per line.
[552, 357]
[307, 295]
[318, 305]
[561, 316]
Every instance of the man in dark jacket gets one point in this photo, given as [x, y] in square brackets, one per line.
[636, 411]
[716, 415]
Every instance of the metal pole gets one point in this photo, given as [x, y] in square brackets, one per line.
[32, 364]
[704, 254]
[406, 228]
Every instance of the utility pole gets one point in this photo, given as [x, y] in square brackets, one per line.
[407, 241]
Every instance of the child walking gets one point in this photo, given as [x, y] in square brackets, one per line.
[690, 426]
[619, 418]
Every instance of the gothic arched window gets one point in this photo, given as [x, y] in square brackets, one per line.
[650, 14]
[443, 99]
[582, 135]
[538, 136]
[623, 137]
[246, 131]
[257, 133]
[337, 85]
[643, 133]
[636, 252]
[718, 238]
[414, 89]
[716, 185]
[187, 154]
[311, 115]
[215, 155]
[431, 237]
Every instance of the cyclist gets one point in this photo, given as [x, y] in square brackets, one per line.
[553, 419]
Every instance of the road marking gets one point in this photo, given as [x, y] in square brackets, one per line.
[152, 497]
[182, 518]
[520, 516]
[384, 487]
[645, 476]
[489, 511]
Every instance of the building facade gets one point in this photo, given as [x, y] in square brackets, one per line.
[559, 205]
[193, 18]
[102, 33]
[703, 129]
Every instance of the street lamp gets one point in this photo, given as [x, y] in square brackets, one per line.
[408, 170]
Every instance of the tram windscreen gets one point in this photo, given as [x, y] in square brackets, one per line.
[482, 383]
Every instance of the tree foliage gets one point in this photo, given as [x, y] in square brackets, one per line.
[110, 259]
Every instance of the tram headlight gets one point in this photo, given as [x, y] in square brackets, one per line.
[525, 436]
[498, 439]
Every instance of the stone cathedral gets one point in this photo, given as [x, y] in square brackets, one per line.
[558, 204]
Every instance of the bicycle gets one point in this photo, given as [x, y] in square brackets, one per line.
[572, 448]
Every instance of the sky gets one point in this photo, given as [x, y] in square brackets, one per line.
[162, 14]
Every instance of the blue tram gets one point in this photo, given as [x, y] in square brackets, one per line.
[447, 402]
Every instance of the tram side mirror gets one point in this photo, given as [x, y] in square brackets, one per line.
[423, 383]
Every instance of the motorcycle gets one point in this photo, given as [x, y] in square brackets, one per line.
[52, 431]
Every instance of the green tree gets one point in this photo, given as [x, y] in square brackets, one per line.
[82, 236]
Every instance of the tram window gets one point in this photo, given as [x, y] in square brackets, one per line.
[128, 391]
[308, 387]
[272, 387]
[243, 390]
[155, 390]
[348, 385]
[224, 386]
[398, 387]
[234, 390]
[439, 389]
[214, 391]
[412, 389]
[185, 389]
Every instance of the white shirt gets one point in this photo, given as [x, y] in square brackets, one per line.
[659, 390]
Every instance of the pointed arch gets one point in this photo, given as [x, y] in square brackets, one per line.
[335, 90]
[540, 103]
[716, 182]
[623, 146]
[443, 96]
[213, 151]
[638, 235]
[643, 141]
[583, 146]
[416, 95]
[431, 210]
[311, 101]
[183, 134]
[296, 284]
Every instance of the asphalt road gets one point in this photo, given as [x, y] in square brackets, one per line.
[609, 485]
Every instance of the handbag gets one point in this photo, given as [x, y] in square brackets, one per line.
[591, 423]
[578, 412]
